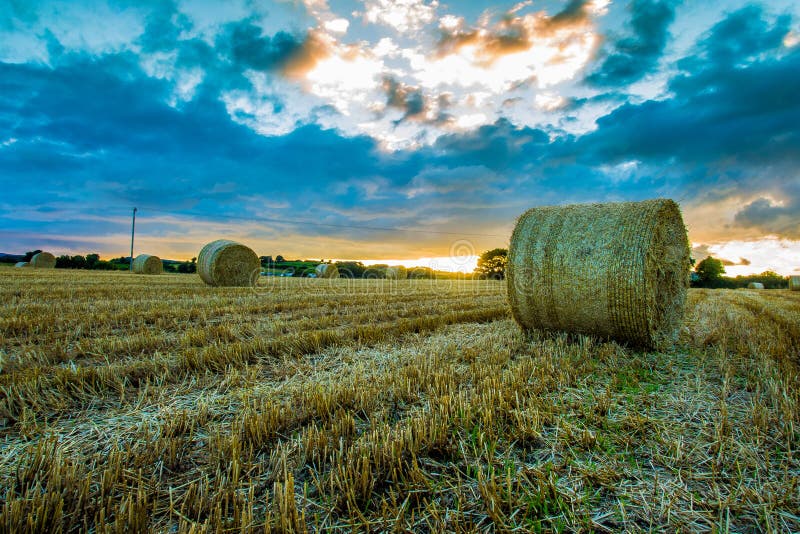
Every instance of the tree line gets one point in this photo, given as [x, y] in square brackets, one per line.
[709, 273]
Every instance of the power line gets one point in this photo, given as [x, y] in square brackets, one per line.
[314, 223]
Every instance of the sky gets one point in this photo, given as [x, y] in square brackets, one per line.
[394, 131]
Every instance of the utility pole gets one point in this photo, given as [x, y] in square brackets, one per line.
[133, 228]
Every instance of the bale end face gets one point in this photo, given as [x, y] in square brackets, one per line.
[147, 264]
[43, 260]
[229, 264]
[617, 271]
[794, 283]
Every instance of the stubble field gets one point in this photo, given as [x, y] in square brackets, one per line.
[135, 403]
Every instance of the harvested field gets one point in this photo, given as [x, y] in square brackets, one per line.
[341, 405]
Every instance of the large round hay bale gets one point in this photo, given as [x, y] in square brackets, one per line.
[22, 264]
[755, 285]
[794, 283]
[617, 271]
[227, 263]
[396, 272]
[327, 270]
[43, 260]
[147, 264]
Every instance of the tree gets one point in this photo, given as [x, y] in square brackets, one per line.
[492, 264]
[710, 271]
[30, 254]
[187, 267]
[78, 262]
[351, 269]
[279, 259]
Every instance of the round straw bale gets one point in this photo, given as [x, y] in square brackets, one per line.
[43, 260]
[755, 285]
[327, 270]
[147, 264]
[21, 264]
[794, 283]
[227, 263]
[396, 272]
[616, 270]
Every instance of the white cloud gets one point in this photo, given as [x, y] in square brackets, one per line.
[402, 15]
[345, 81]
[337, 25]
[459, 84]
[549, 101]
[386, 48]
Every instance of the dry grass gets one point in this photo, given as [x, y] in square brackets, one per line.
[378, 405]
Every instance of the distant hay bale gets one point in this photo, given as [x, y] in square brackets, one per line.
[327, 270]
[43, 260]
[21, 264]
[397, 272]
[227, 263]
[794, 283]
[755, 285]
[147, 264]
[617, 270]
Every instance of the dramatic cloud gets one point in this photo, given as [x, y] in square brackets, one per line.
[292, 55]
[402, 15]
[774, 218]
[633, 56]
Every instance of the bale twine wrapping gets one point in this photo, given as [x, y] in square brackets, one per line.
[617, 270]
[794, 283]
[147, 264]
[755, 285]
[397, 272]
[43, 260]
[21, 264]
[227, 263]
[327, 270]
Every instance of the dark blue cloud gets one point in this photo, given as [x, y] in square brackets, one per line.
[244, 43]
[499, 146]
[14, 11]
[637, 54]
[163, 27]
[718, 111]
[105, 120]
[740, 37]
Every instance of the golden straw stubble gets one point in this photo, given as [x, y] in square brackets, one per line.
[616, 270]
[147, 264]
[43, 260]
[228, 263]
